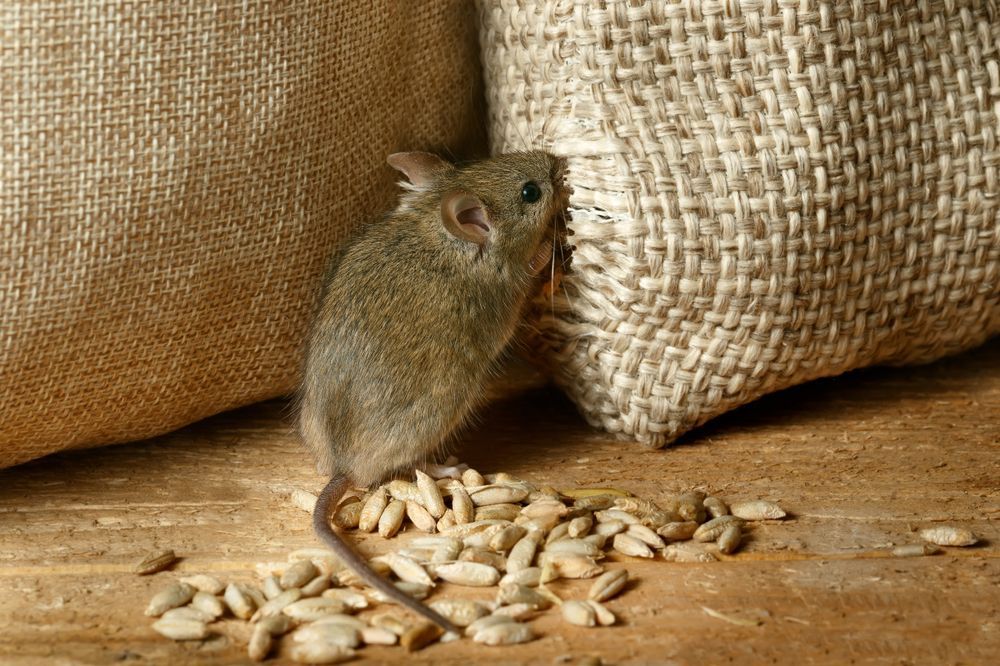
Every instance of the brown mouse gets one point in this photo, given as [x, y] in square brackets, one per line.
[415, 315]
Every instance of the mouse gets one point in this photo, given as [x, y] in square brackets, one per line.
[416, 313]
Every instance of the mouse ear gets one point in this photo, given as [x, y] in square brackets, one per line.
[464, 217]
[418, 167]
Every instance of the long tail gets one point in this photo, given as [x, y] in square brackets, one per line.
[331, 494]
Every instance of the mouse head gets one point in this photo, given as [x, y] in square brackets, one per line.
[498, 209]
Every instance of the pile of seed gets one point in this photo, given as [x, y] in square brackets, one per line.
[480, 531]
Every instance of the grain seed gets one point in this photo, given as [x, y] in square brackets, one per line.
[314, 608]
[506, 538]
[418, 591]
[276, 625]
[915, 550]
[711, 530]
[512, 593]
[347, 620]
[607, 585]
[420, 518]
[716, 507]
[204, 583]
[260, 644]
[507, 512]
[378, 636]
[372, 510]
[276, 605]
[390, 621]
[324, 559]
[156, 561]
[471, 477]
[320, 653]
[472, 574]
[461, 612]
[541, 524]
[173, 596]
[609, 528]
[530, 576]
[420, 636]
[484, 556]
[348, 578]
[560, 531]
[522, 554]
[316, 586]
[271, 587]
[462, 505]
[187, 613]
[729, 540]
[430, 494]
[519, 611]
[391, 519]
[446, 521]
[645, 535]
[351, 600]
[595, 503]
[241, 605]
[687, 552]
[181, 630]
[498, 495]
[616, 514]
[545, 507]
[678, 531]
[348, 515]
[604, 617]
[504, 633]
[691, 506]
[579, 613]
[407, 569]
[336, 633]
[304, 500]
[565, 565]
[208, 604]
[404, 491]
[757, 510]
[574, 547]
[587, 493]
[579, 527]
[945, 535]
[298, 574]
[631, 546]
[482, 539]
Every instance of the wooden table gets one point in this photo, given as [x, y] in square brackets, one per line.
[861, 462]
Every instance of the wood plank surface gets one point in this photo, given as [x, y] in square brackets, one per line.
[861, 462]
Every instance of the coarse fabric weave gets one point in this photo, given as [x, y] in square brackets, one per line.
[764, 192]
[172, 179]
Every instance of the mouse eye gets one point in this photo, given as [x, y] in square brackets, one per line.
[530, 192]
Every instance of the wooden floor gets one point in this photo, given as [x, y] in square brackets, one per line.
[861, 461]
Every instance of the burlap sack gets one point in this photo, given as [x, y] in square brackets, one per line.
[172, 178]
[764, 192]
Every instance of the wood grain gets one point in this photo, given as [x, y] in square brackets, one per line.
[861, 462]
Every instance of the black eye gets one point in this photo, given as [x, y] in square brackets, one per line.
[530, 192]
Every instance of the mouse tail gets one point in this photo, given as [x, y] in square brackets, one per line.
[334, 490]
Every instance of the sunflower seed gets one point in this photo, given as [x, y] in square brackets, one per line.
[260, 644]
[154, 562]
[316, 586]
[607, 585]
[276, 605]
[407, 569]
[631, 546]
[560, 531]
[430, 494]
[298, 574]
[420, 636]
[487, 621]
[348, 515]
[530, 576]
[519, 611]
[372, 510]
[349, 598]
[498, 495]
[915, 550]
[522, 554]
[604, 617]
[378, 636]
[468, 573]
[757, 510]
[521, 594]
[945, 535]
[391, 519]
[711, 530]
[579, 527]
[204, 583]
[461, 612]
[271, 587]
[729, 540]
[187, 613]
[238, 601]
[579, 613]
[678, 531]
[471, 477]
[181, 630]
[420, 518]
[504, 633]
[320, 653]
[208, 604]
[484, 556]
[176, 595]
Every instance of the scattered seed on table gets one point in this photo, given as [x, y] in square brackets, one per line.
[261, 641]
[204, 583]
[336, 633]
[545, 507]
[155, 562]
[685, 552]
[757, 510]
[605, 617]
[513, 593]
[304, 500]
[518, 611]
[390, 621]
[716, 507]
[678, 531]
[487, 621]
[316, 586]
[181, 630]
[378, 636]
[608, 584]
[298, 574]
[945, 535]
[616, 514]
[430, 494]
[468, 573]
[645, 535]
[187, 613]
[391, 519]
[506, 538]
[610, 528]
[407, 569]
[580, 526]
[420, 636]
[238, 601]
[579, 613]
[277, 625]
[320, 653]
[504, 633]
[348, 515]
[631, 546]
[915, 550]
[498, 495]
[484, 556]
[173, 596]
[508, 512]
[471, 477]
[313, 608]
[729, 540]
[271, 587]
[711, 530]
[420, 518]
[461, 612]
[278, 604]
[208, 604]
[446, 521]
[530, 576]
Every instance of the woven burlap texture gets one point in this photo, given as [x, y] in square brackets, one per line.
[764, 192]
[172, 179]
